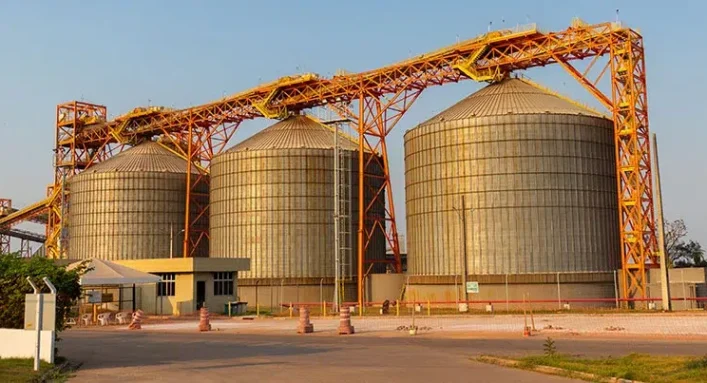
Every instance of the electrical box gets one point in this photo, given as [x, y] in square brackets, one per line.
[48, 311]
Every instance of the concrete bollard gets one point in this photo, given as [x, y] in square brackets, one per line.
[204, 324]
[345, 327]
[304, 327]
[136, 321]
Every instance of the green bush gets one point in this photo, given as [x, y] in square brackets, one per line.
[549, 347]
[13, 287]
[698, 363]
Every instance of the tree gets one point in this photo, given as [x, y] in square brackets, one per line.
[689, 254]
[680, 253]
[675, 231]
[13, 287]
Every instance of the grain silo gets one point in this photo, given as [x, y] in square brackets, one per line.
[538, 179]
[272, 200]
[129, 206]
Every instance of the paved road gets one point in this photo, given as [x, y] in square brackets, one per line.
[119, 356]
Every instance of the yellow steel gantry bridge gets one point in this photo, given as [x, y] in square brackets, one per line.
[374, 101]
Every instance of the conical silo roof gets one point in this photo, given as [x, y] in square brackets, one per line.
[294, 132]
[145, 157]
[510, 96]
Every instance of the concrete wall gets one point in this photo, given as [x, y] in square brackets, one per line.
[383, 287]
[379, 287]
[20, 344]
[267, 295]
[515, 292]
[689, 282]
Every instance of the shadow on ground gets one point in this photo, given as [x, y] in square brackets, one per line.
[135, 349]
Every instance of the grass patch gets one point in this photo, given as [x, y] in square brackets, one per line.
[22, 371]
[645, 368]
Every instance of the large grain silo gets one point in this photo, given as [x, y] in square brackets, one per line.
[129, 206]
[272, 200]
[538, 179]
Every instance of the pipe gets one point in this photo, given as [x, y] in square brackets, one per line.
[321, 291]
[465, 269]
[361, 205]
[559, 296]
[337, 229]
[171, 240]
[50, 285]
[507, 307]
[569, 300]
[36, 289]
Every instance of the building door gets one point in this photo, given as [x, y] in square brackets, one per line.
[200, 294]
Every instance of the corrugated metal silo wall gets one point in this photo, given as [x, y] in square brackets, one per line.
[542, 189]
[128, 215]
[276, 208]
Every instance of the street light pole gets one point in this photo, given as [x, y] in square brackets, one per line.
[462, 218]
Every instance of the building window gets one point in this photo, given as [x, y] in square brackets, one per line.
[166, 287]
[223, 283]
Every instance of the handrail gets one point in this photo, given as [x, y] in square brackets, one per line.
[24, 234]
[26, 213]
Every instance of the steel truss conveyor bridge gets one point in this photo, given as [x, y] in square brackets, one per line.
[373, 102]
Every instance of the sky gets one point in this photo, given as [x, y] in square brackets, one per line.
[124, 54]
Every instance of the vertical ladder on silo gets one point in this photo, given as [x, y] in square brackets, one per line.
[345, 223]
[342, 215]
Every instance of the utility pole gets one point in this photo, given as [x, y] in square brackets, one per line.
[664, 276]
[462, 218]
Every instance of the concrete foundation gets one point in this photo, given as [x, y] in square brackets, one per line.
[508, 291]
[272, 293]
[582, 290]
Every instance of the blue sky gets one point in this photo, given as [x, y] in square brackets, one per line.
[180, 53]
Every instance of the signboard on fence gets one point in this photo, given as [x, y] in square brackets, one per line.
[95, 296]
[472, 287]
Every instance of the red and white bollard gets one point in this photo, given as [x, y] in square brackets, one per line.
[204, 324]
[136, 321]
[345, 327]
[304, 327]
